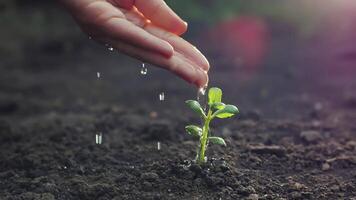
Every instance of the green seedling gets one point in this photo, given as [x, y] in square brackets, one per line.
[216, 109]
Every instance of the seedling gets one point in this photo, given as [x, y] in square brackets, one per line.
[216, 109]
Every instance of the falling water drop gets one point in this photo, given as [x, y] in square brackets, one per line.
[99, 138]
[110, 48]
[143, 69]
[201, 98]
[158, 146]
[98, 74]
[161, 96]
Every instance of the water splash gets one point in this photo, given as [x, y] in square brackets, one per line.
[158, 146]
[98, 74]
[99, 138]
[144, 69]
[161, 96]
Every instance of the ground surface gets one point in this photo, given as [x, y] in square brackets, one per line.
[295, 137]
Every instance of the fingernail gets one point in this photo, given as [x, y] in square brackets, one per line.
[202, 61]
[205, 64]
[202, 78]
[167, 50]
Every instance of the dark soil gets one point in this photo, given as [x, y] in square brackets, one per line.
[295, 137]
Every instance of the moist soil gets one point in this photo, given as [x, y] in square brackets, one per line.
[295, 137]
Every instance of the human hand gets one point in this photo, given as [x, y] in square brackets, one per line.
[145, 29]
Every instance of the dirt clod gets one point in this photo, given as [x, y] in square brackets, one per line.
[325, 166]
[150, 176]
[311, 136]
[253, 197]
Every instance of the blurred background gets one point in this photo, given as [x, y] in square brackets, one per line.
[288, 65]
[274, 58]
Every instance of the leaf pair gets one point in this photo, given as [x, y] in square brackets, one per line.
[197, 132]
[214, 101]
[221, 110]
[226, 112]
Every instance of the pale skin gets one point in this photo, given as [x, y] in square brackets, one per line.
[145, 29]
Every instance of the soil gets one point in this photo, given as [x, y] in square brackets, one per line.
[295, 137]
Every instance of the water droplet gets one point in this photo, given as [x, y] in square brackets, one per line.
[99, 138]
[110, 48]
[98, 74]
[161, 96]
[201, 98]
[143, 69]
[158, 146]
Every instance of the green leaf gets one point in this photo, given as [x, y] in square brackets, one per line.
[195, 106]
[226, 112]
[215, 95]
[194, 130]
[217, 140]
[218, 106]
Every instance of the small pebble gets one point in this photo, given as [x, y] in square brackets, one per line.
[297, 186]
[335, 188]
[311, 136]
[253, 197]
[325, 166]
[149, 176]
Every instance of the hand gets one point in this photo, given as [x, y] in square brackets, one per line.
[145, 29]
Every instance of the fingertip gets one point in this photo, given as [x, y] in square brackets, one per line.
[167, 49]
[202, 78]
[205, 64]
[175, 25]
[201, 60]
[181, 27]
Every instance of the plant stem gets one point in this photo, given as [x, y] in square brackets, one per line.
[204, 139]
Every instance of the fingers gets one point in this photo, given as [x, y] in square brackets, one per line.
[127, 4]
[178, 43]
[121, 29]
[162, 15]
[177, 64]
[158, 12]
[102, 19]
[181, 45]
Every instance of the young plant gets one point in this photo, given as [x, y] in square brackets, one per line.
[216, 109]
